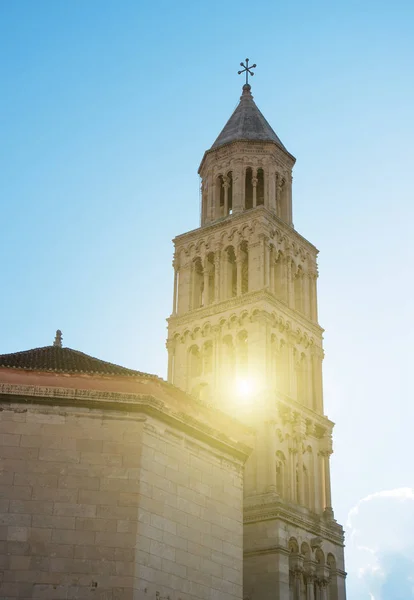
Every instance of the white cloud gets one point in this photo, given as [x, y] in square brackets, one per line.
[380, 546]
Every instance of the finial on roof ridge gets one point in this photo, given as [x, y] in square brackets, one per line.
[58, 339]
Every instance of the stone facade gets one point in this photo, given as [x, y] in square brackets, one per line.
[117, 496]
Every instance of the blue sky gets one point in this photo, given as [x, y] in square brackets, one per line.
[105, 112]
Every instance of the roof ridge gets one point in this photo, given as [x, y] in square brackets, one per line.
[65, 360]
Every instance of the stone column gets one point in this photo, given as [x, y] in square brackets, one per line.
[266, 264]
[289, 282]
[266, 187]
[327, 478]
[323, 586]
[272, 190]
[210, 196]
[272, 270]
[238, 196]
[300, 494]
[171, 349]
[192, 286]
[262, 259]
[226, 195]
[326, 451]
[313, 275]
[217, 359]
[174, 309]
[239, 270]
[217, 193]
[271, 466]
[289, 179]
[217, 275]
[298, 584]
[292, 473]
[310, 587]
[305, 288]
[206, 277]
[254, 184]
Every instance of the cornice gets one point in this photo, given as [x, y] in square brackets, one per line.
[314, 524]
[122, 402]
[238, 218]
[238, 145]
[240, 302]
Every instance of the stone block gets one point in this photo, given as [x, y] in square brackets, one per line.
[62, 536]
[55, 521]
[32, 507]
[54, 494]
[56, 455]
[17, 534]
[87, 445]
[119, 540]
[79, 482]
[117, 512]
[9, 439]
[99, 497]
[67, 509]
[16, 520]
[40, 534]
[19, 563]
[169, 566]
[94, 524]
[36, 479]
[15, 492]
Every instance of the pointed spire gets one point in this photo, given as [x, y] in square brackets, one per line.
[58, 339]
[247, 123]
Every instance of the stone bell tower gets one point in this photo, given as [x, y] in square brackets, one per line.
[244, 335]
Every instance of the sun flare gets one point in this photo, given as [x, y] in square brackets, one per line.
[245, 388]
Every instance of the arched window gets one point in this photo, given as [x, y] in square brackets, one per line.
[194, 359]
[302, 388]
[281, 483]
[229, 193]
[260, 187]
[306, 487]
[295, 579]
[244, 249]
[282, 373]
[219, 196]
[279, 276]
[210, 266]
[208, 358]
[204, 200]
[228, 364]
[230, 273]
[242, 353]
[333, 578]
[201, 391]
[310, 466]
[248, 192]
[298, 289]
[198, 283]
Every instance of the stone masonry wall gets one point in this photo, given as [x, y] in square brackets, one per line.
[114, 506]
[190, 536]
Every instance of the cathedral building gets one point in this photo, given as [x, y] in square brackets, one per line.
[215, 485]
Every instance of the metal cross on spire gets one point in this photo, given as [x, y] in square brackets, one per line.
[247, 70]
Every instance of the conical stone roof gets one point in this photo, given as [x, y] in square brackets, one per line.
[247, 123]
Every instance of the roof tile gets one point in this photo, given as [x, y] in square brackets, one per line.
[62, 360]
